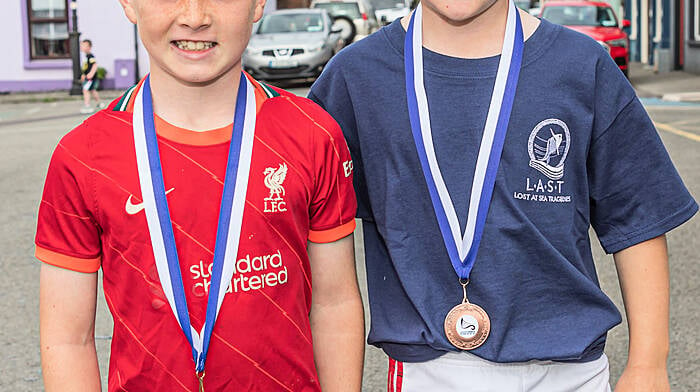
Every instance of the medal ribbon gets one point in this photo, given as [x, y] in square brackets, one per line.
[230, 213]
[463, 250]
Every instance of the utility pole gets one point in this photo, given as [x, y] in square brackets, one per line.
[136, 55]
[74, 37]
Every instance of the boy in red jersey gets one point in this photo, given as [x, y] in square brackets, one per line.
[138, 189]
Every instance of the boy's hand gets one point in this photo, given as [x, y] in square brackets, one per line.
[82, 78]
[643, 379]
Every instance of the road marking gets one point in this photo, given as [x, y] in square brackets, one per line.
[684, 122]
[676, 131]
[33, 110]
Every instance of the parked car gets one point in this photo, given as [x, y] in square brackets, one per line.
[291, 43]
[595, 19]
[388, 11]
[355, 18]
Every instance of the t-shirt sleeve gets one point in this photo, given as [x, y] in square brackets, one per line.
[636, 193]
[333, 205]
[331, 93]
[67, 234]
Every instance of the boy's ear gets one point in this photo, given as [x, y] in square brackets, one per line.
[257, 12]
[129, 10]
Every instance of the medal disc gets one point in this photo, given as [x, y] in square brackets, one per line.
[467, 326]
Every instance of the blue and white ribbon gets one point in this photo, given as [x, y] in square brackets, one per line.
[230, 214]
[462, 250]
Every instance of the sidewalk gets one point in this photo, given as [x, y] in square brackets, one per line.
[53, 96]
[675, 86]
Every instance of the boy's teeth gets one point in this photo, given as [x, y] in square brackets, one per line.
[194, 45]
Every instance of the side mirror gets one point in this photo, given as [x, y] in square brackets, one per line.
[626, 23]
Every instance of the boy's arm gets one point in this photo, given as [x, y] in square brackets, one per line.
[337, 316]
[67, 302]
[643, 274]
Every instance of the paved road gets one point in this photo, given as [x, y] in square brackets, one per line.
[24, 153]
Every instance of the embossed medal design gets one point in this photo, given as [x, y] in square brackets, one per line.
[467, 326]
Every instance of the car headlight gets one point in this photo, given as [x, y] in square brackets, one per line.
[620, 42]
[316, 47]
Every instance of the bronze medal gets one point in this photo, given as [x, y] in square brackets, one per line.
[467, 325]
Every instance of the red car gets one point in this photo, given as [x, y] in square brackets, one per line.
[595, 19]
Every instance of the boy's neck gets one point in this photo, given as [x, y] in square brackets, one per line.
[479, 37]
[197, 107]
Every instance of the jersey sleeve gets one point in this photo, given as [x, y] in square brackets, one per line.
[636, 193]
[331, 93]
[333, 205]
[67, 234]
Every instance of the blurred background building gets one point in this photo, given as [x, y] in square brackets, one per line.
[665, 34]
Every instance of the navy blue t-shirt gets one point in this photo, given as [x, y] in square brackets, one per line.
[534, 273]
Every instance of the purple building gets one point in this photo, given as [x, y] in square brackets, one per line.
[37, 55]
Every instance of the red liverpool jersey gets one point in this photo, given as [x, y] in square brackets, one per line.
[92, 215]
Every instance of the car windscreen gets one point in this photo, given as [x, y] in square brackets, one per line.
[291, 23]
[387, 4]
[351, 10]
[580, 15]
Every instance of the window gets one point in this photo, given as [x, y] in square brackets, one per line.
[580, 15]
[351, 10]
[291, 23]
[48, 29]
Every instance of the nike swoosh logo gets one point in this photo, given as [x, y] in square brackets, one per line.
[133, 209]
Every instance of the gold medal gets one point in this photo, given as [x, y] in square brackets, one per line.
[467, 325]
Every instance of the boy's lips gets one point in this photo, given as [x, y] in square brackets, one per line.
[193, 46]
[193, 50]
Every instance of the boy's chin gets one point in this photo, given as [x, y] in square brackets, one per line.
[203, 77]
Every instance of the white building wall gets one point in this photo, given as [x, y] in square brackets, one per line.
[12, 60]
[112, 35]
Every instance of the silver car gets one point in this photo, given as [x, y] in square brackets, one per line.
[290, 44]
[388, 11]
[355, 18]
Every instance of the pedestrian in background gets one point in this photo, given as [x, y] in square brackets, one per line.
[210, 202]
[474, 114]
[89, 78]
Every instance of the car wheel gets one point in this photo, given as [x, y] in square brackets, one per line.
[347, 28]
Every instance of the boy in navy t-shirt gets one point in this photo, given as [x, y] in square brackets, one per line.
[526, 133]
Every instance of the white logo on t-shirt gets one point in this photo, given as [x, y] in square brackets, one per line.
[274, 177]
[133, 209]
[347, 166]
[548, 146]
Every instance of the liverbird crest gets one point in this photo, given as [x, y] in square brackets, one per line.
[274, 179]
